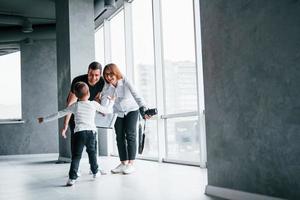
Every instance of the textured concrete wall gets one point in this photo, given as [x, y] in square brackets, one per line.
[39, 97]
[82, 35]
[251, 58]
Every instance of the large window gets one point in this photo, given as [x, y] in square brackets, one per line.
[99, 46]
[144, 76]
[10, 86]
[154, 43]
[117, 36]
[180, 81]
[179, 56]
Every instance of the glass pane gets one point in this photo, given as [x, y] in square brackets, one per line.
[144, 66]
[179, 56]
[118, 41]
[99, 46]
[183, 139]
[10, 72]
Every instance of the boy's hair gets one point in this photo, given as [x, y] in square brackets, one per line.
[95, 65]
[81, 89]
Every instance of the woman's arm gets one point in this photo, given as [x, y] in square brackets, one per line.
[139, 100]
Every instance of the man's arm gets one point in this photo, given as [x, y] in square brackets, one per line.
[97, 97]
[71, 100]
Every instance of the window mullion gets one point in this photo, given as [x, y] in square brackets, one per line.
[159, 81]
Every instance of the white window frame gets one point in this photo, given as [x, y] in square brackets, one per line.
[159, 74]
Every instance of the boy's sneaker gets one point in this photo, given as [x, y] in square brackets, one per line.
[96, 175]
[129, 169]
[119, 169]
[71, 182]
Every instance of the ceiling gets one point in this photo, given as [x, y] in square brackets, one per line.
[14, 14]
[37, 11]
[29, 20]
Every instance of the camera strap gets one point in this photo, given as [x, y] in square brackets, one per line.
[143, 125]
[141, 136]
[144, 130]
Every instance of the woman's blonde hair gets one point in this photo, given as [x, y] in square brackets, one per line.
[112, 69]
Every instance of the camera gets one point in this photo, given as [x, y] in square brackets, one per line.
[151, 112]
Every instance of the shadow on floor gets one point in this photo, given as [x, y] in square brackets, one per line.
[42, 162]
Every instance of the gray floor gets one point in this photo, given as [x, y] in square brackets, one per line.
[37, 177]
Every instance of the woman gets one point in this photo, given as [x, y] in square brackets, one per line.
[127, 106]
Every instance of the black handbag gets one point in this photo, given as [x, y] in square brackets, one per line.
[141, 136]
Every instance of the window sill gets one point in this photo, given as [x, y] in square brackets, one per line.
[13, 121]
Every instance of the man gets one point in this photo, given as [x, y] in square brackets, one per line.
[95, 82]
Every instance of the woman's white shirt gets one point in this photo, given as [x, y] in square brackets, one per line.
[126, 97]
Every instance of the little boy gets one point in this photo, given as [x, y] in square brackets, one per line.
[85, 129]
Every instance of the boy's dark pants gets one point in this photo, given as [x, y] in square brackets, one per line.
[81, 139]
[72, 127]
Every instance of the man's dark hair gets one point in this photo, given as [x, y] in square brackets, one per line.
[95, 65]
[80, 89]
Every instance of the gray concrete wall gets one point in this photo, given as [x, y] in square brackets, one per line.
[75, 51]
[39, 97]
[82, 35]
[251, 58]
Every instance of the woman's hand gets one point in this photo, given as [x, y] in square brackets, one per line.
[111, 98]
[147, 113]
[147, 116]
